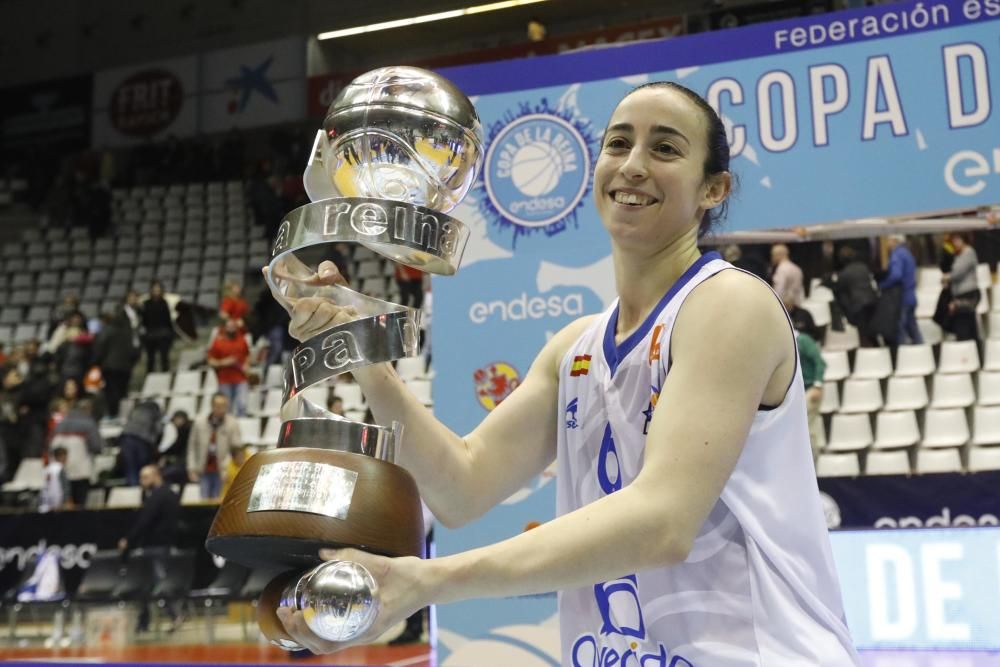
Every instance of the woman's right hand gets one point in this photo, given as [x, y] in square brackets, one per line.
[312, 315]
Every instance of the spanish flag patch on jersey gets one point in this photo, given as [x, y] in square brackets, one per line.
[581, 365]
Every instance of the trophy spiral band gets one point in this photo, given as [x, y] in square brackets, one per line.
[399, 149]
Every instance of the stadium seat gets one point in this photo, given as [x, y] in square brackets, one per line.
[350, 392]
[959, 357]
[929, 278]
[927, 302]
[125, 496]
[906, 393]
[187, 382]
[270, 405]
[993, 327]
[819, 310]
[831, 398]
[29, 476]
[185, 402]
[837, 366]
[983, 276]
[939, 460]
[872, 363]
[984, 458]
[411, 368]
[842, 340]
[819, 292]
[249, 430]
[986, 425]
[422, 390]
[272, 429]
[930, 331]
[191, 494]
[850, 433]
[945, 428]
[316, 394]
[275, 376]
[914, 360]
[888, 463]
[991, 355]
[860, 396]
[838, 465]
[988, 390]
[896, 429]
[156, 384]
[952, 391]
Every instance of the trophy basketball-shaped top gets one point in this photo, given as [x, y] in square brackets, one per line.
[399, 148]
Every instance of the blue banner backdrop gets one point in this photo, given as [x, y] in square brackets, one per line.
[870, 112]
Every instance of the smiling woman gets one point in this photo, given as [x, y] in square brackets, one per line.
[690, 529]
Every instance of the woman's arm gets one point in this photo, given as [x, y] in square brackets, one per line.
[730, 344]
[459, 478]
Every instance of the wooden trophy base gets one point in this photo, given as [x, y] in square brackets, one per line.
[383, 515]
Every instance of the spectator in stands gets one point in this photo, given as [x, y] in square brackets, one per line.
[155, 530]
[964, 286]
[271, 321]
[173, 459]
[335, 405]
[3, 354]
[133, 311]
[158, 328]
[139, 439]
[70, 392]
[33, 409]
[238, 455]
[229, 355]
[70, 305]
[55, 492]
[813, 369]
[212, 437]
[855, 292]
[902, 273]
[10, 430]
[116, 352]
[786, 276]
[73, 348]
[234, 306]
[411, 285]
[733, 254]
[78, 434]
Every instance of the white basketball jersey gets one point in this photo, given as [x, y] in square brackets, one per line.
[759, 586]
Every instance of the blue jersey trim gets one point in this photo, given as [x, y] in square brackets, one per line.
[613, 354]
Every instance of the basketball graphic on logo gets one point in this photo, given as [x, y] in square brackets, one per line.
[536, 169]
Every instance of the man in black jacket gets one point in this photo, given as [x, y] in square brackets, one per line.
[154, 529]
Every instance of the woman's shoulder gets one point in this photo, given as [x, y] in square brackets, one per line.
[735, 301]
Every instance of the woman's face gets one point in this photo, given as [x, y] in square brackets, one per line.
[649, 183]
[70, 389]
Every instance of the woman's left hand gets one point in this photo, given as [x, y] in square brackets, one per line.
[403, 589]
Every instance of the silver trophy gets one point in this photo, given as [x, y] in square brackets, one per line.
[399, 149]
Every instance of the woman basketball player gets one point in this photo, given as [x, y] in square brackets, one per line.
[689, 529]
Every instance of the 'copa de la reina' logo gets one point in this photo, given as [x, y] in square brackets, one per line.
[537, 170]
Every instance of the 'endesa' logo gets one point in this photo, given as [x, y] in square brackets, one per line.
[942, 520]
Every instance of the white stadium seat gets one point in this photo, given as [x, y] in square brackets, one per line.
[888, 463]
[896, 429]
[945, 428]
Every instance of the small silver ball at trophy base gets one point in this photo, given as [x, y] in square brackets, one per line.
[338, 600]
